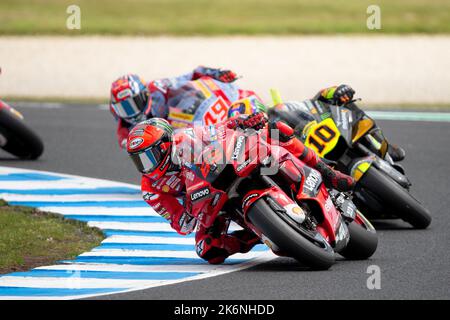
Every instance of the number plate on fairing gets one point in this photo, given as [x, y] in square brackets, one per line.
[323, 137]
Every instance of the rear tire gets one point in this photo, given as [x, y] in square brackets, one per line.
[262, 216]
[393, 196]
[21, 141]
[362, 244]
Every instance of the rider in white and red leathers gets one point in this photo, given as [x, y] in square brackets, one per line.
[132, 100]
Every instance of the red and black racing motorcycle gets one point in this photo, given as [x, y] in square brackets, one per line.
[15, 137]
[266, 189]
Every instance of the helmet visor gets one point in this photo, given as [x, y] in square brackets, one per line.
[131, 107]
[148, 160]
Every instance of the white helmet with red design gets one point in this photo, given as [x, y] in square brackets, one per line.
[129, 98]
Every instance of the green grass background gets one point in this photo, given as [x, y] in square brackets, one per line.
[223, 17]
[30, 238]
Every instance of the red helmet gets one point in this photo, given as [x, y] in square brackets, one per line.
[149, 145]
[129, 97]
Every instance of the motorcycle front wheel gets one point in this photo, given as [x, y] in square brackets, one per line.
[395, 198]
[17, 138]
[289, 240]
[363, 239]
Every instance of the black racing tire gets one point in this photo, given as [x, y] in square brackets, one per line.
[262, 216]
[362, 244]
[391, 195]
[20, 140]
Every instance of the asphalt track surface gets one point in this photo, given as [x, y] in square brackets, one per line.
[414, 264]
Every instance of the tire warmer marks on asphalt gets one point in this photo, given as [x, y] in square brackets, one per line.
[140, 250]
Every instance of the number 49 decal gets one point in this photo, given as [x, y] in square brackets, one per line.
[216, 113]
[323, 137]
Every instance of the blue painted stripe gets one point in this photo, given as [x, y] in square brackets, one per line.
[147, 260]
[104, 218]
[161, 246]
[53, 292]
[71, 191]
[107, 204]
[30, 176]
[104, 274]
[148, 246]
[169, 234]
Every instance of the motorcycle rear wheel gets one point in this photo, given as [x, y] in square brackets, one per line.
[20, 140]
[397, 199]
[263, 217]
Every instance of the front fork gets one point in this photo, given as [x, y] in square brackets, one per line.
[358, 167]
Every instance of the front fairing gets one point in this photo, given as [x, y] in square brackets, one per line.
[203, 101]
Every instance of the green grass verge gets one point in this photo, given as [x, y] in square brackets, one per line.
[30, 238]
[223, 17]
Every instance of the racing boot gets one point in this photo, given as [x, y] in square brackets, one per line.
[214, 245]
[397, 153]
[246, 238]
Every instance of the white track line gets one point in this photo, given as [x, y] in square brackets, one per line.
[135, 268]
[145, 240]
[74, 282]
[77, 281]
[74, 198]
[102, 211]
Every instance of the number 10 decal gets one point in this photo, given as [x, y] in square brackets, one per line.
[323, 137]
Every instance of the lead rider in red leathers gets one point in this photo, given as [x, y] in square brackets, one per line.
[153, 146]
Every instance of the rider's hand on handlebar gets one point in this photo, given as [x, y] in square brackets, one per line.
[226, 76]
[255, 121]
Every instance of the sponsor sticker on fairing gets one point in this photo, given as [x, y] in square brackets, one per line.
[215, 200]
[240, 144]
[248, 198]
[243, 165]
[200, 194]
[312, 181]
[328, 204]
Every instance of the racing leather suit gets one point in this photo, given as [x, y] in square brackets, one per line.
[170, 92]
[297, 115]
[215, 244]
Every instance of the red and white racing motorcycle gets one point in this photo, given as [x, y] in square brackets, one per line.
[264, 188]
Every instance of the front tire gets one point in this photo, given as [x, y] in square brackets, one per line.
[363, 240]
[398, 200]
[20, 140]
[269, 223]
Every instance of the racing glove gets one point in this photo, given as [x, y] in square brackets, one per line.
[255, 121]
[218, 74]
[337, 95]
